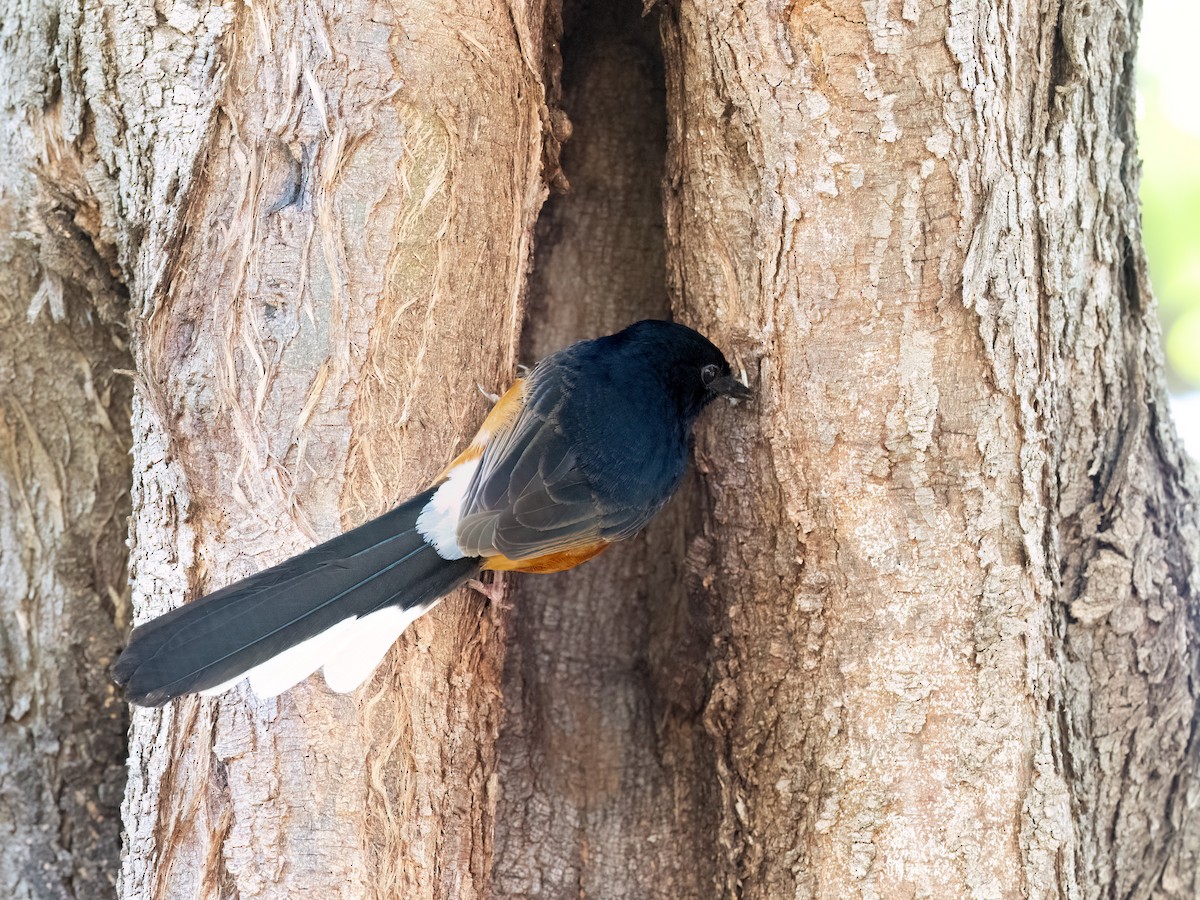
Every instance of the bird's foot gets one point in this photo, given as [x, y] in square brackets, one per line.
[493, 590]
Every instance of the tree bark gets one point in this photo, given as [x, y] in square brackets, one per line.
[64, 485]
[955, 547]
[64, 479]
[348, 267]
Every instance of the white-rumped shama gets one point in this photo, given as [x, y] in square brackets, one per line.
[580, 453]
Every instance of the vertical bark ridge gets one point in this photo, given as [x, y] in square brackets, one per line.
[351, 261]
[1126, 534]
[859, 214]
[982, 237]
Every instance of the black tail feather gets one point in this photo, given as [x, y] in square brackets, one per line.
[227, 633]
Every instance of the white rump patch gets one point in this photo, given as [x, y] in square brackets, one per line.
[438, 521]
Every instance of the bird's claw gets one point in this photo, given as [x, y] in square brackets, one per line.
[493, 590]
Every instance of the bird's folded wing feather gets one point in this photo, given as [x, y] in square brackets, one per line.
[531, 496]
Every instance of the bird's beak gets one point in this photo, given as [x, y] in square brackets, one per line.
[731, 387]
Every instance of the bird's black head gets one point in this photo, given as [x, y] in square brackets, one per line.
[695, 372]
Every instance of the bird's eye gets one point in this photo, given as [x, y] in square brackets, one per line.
[709, 374]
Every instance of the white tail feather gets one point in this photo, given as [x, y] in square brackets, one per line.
[289, 668]
[295, 664]
[348, 652]
[222, 687]
[373, 637]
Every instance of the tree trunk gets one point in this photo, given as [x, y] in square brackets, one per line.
[955, 548]
[924, 622]
[348, 267]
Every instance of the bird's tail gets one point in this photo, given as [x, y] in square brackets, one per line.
[338, 606]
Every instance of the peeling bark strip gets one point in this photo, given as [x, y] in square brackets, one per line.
[349, 266]
[957, 550]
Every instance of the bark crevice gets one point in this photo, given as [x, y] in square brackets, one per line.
[604, 760]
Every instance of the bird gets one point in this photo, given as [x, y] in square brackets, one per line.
[578, 454]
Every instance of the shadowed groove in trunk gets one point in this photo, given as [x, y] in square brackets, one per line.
[604, 762]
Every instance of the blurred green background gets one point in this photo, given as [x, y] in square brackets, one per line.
[1169, 137]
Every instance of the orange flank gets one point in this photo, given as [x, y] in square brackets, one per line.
[497, 420]
[551, 562]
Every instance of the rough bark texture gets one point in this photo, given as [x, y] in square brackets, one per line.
[64, 444]
[605, 789]
[1126, 505]
[956, 548]
[64, 482]
[346, 268]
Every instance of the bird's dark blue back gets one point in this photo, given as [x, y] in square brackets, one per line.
[622, 420]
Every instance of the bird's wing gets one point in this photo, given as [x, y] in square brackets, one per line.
[530, 496]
